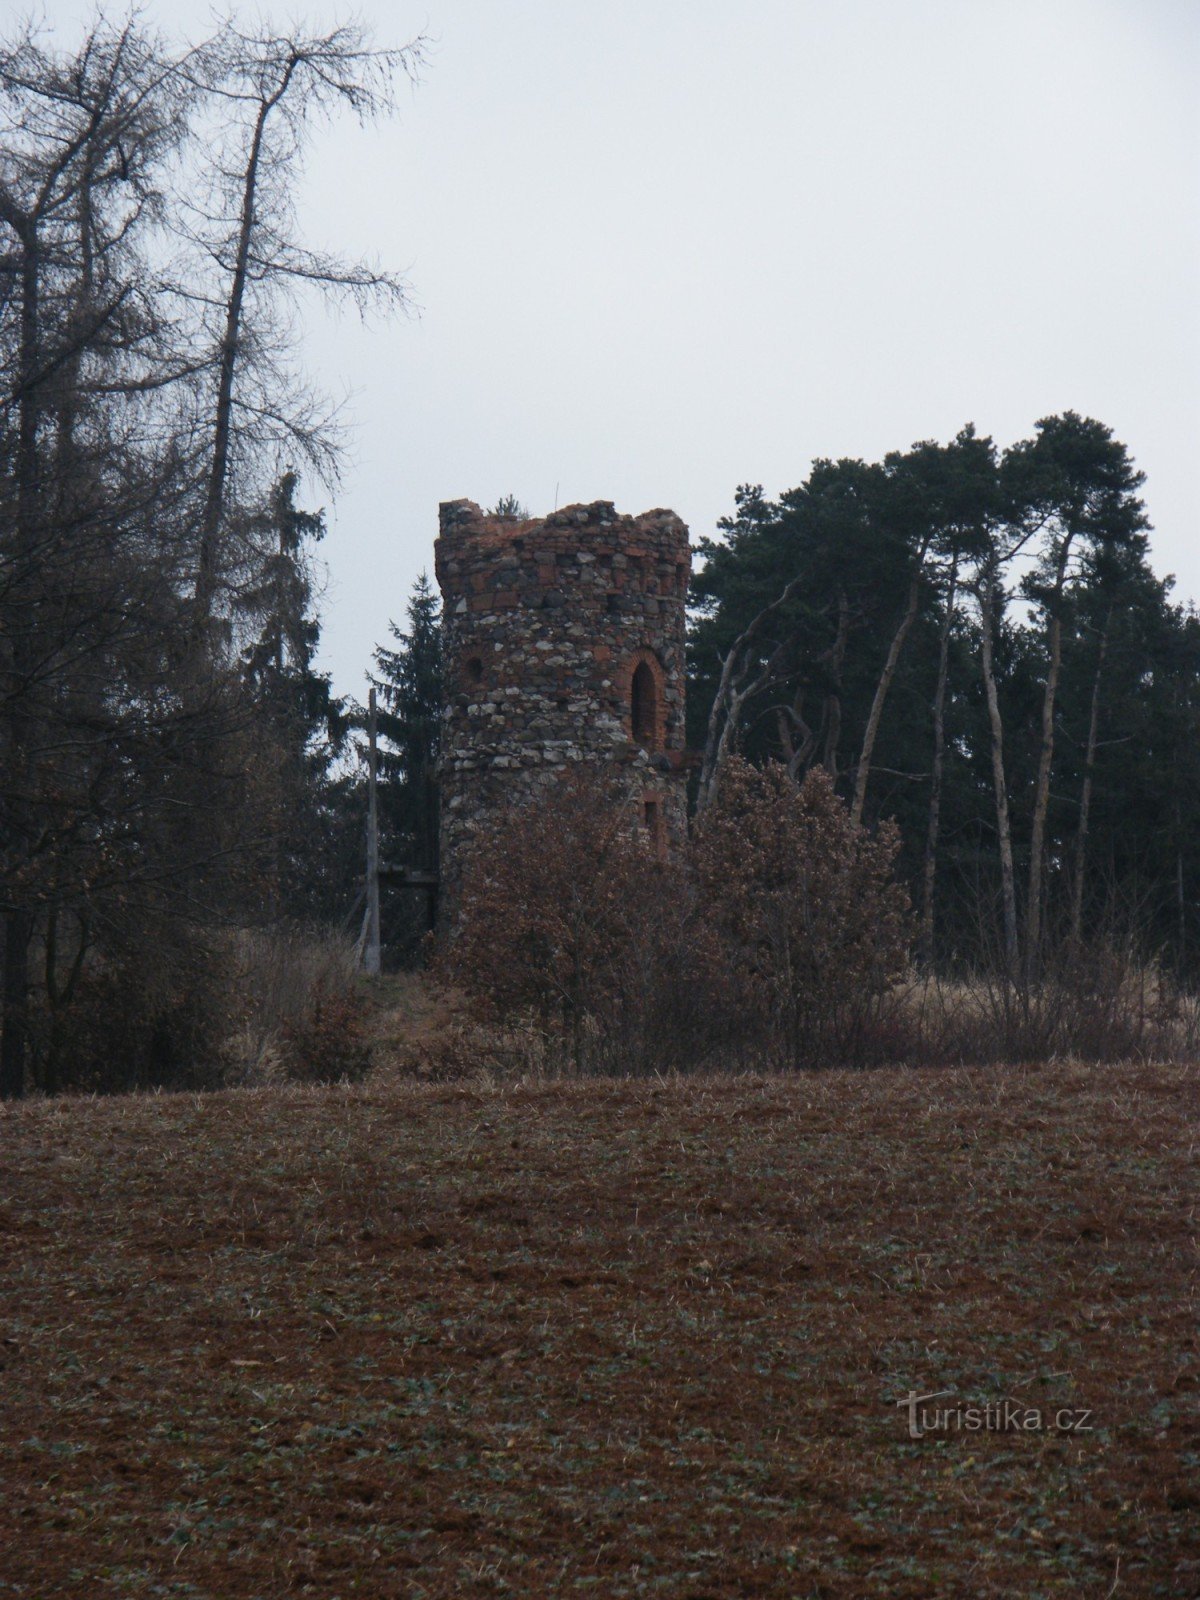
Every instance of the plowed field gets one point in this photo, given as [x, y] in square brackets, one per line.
[605, 1339]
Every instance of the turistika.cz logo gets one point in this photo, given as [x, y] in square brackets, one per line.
[995, 1416]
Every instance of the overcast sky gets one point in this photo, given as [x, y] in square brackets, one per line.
[664, 247]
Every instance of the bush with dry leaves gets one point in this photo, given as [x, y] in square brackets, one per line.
[774, 943]
[567, 917]
[812, 929]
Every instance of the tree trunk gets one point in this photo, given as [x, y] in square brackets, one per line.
[1008, 890]
[214, 500]
[1085, 799]
[18, 726]
[833, 700]
[371, 949]
[1181, 911]
[797, 753]
[929, 866]
[1041, 796]
[882, 689]
[730, 697]
[1180, 899]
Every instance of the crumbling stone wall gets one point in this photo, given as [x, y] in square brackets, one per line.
[563, 643]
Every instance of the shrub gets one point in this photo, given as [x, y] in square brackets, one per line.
[153, 1017]
[566, 917]
[812, 929]
[327, 1041]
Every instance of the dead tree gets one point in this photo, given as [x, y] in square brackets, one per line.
[265, 93]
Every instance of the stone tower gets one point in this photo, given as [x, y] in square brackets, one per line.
[563, 642]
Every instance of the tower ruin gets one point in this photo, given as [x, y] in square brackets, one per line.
[563, 643]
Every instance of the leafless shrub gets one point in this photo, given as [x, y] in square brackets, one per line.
[567, 919]
[327, 1042]
[812, 930]
[781, 941]
[775, 944]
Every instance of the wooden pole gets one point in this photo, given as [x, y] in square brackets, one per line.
[371, 944]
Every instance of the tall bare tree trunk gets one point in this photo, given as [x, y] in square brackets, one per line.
[371, 949]
[18, 726]
[1008, 882]
[1085, 799]
[1180, 908]
[1041, 795]
[1180, 898]
[937, 771]
[218, 473]
[883, 687]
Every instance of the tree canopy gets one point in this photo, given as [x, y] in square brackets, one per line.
[971, 641]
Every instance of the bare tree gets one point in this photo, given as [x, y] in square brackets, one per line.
[146, 391]
[745, 672]
[267, 91]
[82, 140]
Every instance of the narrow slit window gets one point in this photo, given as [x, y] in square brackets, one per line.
[643, 707]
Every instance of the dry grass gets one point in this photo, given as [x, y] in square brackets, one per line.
[601, 1338]
[1107, 1009]
[274, 977]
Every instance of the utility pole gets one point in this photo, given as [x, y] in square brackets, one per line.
[371, 943]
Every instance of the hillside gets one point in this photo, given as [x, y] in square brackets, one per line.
[603, 1338]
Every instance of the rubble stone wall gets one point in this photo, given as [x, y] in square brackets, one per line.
[563, 643]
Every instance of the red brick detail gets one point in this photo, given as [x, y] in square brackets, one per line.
[653, 734]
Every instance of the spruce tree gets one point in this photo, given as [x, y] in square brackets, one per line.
[409, 681]
[302, 726]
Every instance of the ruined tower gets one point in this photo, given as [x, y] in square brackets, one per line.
[563, 642]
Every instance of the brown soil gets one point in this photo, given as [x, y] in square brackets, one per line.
[603, 1338]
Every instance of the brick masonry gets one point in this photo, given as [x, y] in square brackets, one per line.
[563, 643]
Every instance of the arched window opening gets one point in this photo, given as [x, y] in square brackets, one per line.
[474, 666]
[643, 707]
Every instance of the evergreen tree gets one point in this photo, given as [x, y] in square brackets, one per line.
[509, 506]
[409, 681]
[1039, 757]
[302, 725]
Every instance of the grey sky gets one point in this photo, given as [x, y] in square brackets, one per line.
[662, 247]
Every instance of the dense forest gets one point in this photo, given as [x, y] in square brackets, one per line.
[973, 642]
